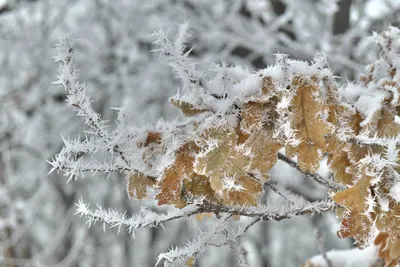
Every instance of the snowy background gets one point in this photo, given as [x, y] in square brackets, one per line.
[37, 222]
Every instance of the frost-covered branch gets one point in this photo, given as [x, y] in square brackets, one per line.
[78, 98]
[264, 213]
[178, 58]
[313, 176]
[145, 218]
[274, 213]
[195, 248]
[149, 218]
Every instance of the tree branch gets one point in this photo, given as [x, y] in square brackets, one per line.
[313, 176]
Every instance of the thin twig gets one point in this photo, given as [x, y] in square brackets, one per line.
[321, 246]
[316, 177]
[279, 191]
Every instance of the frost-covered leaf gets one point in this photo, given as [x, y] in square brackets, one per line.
[357, 221]
[221, 159]
[309, 127]
[138, 184]
[253, 116]
[171, 183]
[250, 190]
[344, 171]
[187, 108]
[190, 262]
[383, 123]
[263, 152]
[201, 216]
[389, 249]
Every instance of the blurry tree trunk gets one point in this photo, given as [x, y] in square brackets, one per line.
[9, 253]
[278, 6]
[342, 17]
[6, 234]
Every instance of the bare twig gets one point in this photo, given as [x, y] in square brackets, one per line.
[320, 240]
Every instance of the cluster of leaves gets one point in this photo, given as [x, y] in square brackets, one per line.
[368, 162]
[298, 107]
[228, 158]
[237, 125]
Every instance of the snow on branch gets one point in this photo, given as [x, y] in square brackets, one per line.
[179, 60]
[213, 236]
[196, 247]
[113, 218]
[68, 77]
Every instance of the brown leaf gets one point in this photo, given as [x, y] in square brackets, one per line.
[356, 223]
[187, 108]
[309, 127]
[201, 216]
[190, 262]
[223, 160]
[227, 161]
[252, 116]
[199, 186]
[236, 217]
[242, 137]
[171, 184]
[389, 221]
[342, 168]
[308, 157]
[267, 85]
[264, 151]
[137, 185]
[152, 138]
[388, 250]
[248, 196]
[383, 123]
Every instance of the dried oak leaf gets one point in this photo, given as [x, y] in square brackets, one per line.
[201, 216]
[242, 136]
[357, 152]
[388, 250]
[187, 108]
[259, 115]
[191, 261]
[345, 120]
[137, 185]
[342, 168]
[199, 186]
[331, 99]
[343, 157]
[151, 138]
[267, 85]
[223, 159]
[251, 190]
[264, 151]
[171, 184]
[236, 217]
[383, 123]
[389, 221]
[356, 222]
[309, 127]
[151, 145]
[252, 116]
